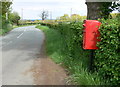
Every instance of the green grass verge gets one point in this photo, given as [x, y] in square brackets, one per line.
[6, 29]
[53, 43]
[55, 50]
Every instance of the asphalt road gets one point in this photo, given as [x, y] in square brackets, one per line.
[19, 48]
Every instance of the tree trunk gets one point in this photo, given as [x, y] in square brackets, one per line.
[93, 10]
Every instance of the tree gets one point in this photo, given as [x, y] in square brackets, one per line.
[0, 16]
[64, 17]
[44, 14]
[75, 17]
[98, 9]
[6, 6]
[14, 18]
[119, 7]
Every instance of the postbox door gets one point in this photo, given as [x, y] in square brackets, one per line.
[91, 33]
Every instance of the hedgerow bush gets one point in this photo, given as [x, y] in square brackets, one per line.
[58, 47]
[72, 35]
[107, 58]
[6, 27]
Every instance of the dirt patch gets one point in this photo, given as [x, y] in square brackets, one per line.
[46, 72]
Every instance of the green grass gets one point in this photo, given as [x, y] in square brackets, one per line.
[6, 29]
[54, 43]
[0, 31]
[55, 48]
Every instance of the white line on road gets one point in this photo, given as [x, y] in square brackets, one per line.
[11, 41]
[20, 35]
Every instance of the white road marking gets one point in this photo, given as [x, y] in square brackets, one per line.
[11, 41]
[20, 35]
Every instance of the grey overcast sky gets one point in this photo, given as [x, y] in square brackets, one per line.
[32, 8]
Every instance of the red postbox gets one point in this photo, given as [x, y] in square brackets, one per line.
[91, 34]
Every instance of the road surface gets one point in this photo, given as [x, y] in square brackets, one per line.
[24, 61]
[19, 49]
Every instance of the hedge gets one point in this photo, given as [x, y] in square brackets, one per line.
[107, 58]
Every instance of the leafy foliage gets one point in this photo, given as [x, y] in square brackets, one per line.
[107, 8]
[59, 49]
[7, 18]
[64, 17]
[14, 17]
[5, 8]
[108, 56]
[72, 18]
